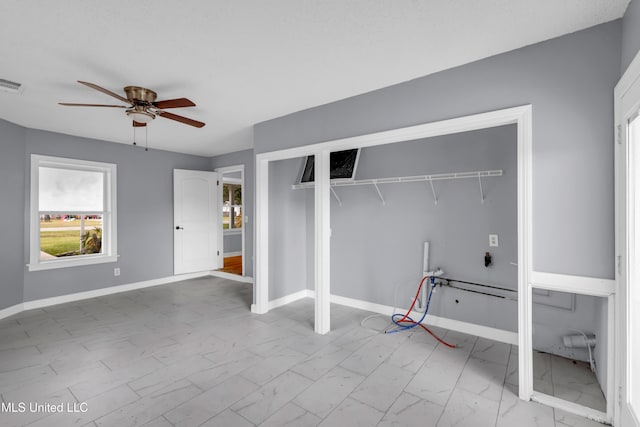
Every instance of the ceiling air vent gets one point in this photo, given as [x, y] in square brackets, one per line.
[9, 86]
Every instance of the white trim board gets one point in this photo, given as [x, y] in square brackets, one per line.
[62, 299]
[229, 254]
[46, 302]
[235, 277]
[495, 334]
[576, 284]
[10, 311]
[570, 407]
[221, 171]
[287, 299]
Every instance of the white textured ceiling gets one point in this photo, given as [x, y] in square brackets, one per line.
[243, 62]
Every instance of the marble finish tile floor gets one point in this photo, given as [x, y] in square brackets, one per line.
[192, 354]
[569, 380]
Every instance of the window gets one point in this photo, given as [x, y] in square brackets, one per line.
[73, 213]
[231, 204]
[342, 166]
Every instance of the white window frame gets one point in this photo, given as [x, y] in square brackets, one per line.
[109, 220]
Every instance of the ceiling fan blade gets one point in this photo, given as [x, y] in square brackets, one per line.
[105, 91]
[70, 104]
[174, 103]
[180, 119]
[138, 124]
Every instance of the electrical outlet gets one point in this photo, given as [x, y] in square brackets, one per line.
[493, 240]
[116, 271]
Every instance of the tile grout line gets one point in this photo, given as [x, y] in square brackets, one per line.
[504, 384]
[459, 375]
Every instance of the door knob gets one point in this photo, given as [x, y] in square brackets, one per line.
[179, 228]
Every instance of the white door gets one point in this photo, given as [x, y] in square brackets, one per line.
[195, 221]
[628, 246]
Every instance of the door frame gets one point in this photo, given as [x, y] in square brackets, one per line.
[221, 171]
[521, 116]
[626, 103]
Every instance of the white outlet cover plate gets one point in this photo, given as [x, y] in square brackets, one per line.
[493, 240]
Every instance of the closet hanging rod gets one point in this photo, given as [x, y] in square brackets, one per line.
[398, 179]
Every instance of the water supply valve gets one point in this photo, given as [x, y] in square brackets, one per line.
[487, 259]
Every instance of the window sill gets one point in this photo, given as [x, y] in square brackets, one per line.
[232, 231]
[75, 262]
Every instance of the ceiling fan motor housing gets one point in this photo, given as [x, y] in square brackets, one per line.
[140, 94]
[141, 98]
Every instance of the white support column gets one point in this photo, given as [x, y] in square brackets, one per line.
[261, 287]
[322, 243]
[525, 264]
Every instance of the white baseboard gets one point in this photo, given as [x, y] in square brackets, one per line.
[362, 305]
[488, 332]
[571, 407]
[288, 299]
[46, 302]
[494, 334]
[10, 311]
[228, 254]
[237, 278]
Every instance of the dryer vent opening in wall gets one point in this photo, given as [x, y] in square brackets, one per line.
[9, 86]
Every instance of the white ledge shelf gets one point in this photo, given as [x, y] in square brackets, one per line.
[399, 179]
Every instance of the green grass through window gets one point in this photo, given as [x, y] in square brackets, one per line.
[59, 242]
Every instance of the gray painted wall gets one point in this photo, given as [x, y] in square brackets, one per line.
[289, 247]
[145, 213]
[630, 34]
[232, 242]
[374, 247]
[568, 80]
[12, 263]
[245, 158]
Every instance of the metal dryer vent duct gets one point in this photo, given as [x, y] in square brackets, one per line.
[579, 341]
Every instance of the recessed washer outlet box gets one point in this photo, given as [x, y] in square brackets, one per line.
[9, 86]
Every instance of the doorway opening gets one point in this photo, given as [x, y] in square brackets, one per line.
[231, 211]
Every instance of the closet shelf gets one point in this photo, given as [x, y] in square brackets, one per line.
[399, 179]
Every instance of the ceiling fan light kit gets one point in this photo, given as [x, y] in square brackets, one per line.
[139, 115]
[143, 107]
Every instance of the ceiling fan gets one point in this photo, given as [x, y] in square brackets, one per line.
[142, 106]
